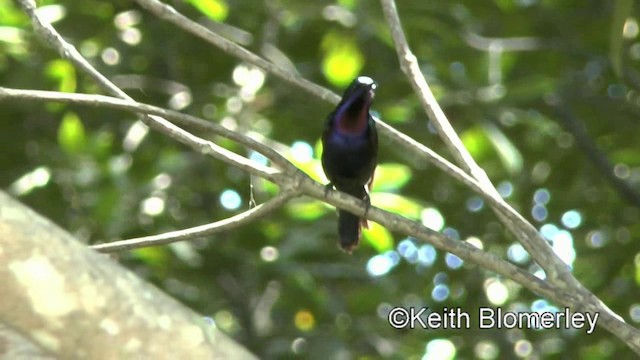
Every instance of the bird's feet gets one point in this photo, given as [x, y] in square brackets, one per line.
[367, 203]
[327, 188]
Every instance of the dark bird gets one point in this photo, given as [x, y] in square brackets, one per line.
[350, 153]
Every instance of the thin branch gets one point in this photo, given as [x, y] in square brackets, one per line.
[66, 50]
[484, 43]
[411, 68]
[135, 107]
[199, 231]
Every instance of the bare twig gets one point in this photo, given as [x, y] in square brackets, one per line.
[503, 44]
[135, 107]
[199, 231]
[66, 50]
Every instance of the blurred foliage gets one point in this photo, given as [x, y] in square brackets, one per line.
[505, 72]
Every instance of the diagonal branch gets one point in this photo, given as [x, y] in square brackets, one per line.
[176, 117]
[52, 38]
[199, 231]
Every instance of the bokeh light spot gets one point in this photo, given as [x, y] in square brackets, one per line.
[432, 219]
[440, 349]
[542, 196]
[523, 348]
[475, 204]
[304, 320]
[505, 189]
[517, 253]
[379, 265]
[269, 253]
[153, 206]
[539, 212]
[453, 261]
[497, 292]
[302, 151]
[230, 199]
[427, 255]
[571, 219]
[440, 292]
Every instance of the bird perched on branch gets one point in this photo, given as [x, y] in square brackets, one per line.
[350, 153]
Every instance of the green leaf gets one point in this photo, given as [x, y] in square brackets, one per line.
[157, 256]
[216, 10]
[476, 142]
[397, 204]
[63, 73]
[348, 4]
[71, 134]
[378, 237]
[391, 176]
[342, 59]
[313, 168]
[621, 13]
[307, 210]
[398, 112]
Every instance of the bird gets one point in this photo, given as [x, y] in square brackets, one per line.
[350, 154]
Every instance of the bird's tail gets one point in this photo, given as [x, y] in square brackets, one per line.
[349, 230]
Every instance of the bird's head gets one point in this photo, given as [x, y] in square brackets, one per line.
[352, 112]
